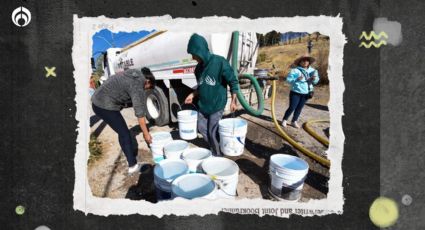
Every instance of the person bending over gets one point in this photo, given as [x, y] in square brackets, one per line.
[107, 101]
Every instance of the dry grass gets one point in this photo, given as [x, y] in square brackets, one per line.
[282, 56]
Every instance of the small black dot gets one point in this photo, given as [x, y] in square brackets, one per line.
[194, 3]
[21, 21]
[128, 13]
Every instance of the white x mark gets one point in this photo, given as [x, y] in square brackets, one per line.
[50, 71]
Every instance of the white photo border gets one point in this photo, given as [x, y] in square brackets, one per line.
[86, 27]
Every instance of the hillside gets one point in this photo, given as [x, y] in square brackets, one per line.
[283, 55]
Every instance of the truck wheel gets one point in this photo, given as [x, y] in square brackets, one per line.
[157, 106]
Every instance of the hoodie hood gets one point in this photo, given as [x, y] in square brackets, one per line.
[198, 46]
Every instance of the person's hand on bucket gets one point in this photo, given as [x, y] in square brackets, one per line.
[189, 98]
[145, 130]
[233, 107]
[148, 138]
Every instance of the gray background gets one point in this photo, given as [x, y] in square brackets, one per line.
[402, 114]
[382, 102]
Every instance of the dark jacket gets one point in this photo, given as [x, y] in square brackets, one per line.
[213, 76]
[120, 89]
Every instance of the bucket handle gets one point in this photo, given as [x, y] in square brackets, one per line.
[220, 184]
[233, 116]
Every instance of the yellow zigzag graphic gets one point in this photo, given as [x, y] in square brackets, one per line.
[372, 34]
[372, 43]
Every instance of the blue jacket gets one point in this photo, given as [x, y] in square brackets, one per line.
[301, 86]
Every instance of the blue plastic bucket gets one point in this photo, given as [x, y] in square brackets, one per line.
[164, 174]
[194, 185]
[159, 139]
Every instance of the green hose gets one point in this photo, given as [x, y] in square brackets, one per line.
[254, 81]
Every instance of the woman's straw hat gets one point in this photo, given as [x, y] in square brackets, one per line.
[306, 56]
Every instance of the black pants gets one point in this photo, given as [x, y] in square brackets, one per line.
[116, 121]
[296, 103]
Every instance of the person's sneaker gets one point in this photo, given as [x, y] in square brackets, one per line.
[284, 123]
[295, 124]
[135, 168]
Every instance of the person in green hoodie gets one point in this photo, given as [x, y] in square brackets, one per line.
[213, 74]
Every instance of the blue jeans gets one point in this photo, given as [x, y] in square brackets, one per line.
[208, 128]
[296, 103]
[116, 121]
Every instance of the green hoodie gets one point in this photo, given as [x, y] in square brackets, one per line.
[213, 74]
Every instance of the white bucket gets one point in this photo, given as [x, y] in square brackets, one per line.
[224, 172]
[187, 124]
[232, 136]
[194, 185]
[174, 149]
[194, 158]
[287, 175]
[164, 173]
[159, 139]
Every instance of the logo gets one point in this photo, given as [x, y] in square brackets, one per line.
[210, 81]
[187, 130]
[376, 37]
[125, 64]
[21, 16]
[241, 139]
[189, 70]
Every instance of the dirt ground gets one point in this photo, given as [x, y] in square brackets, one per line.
[108, 175]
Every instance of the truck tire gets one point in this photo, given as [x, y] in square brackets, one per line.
[157, 106]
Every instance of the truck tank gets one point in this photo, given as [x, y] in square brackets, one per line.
[165, 53]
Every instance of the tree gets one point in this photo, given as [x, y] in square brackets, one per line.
[269, 39]
[99, 66]
[260, 39]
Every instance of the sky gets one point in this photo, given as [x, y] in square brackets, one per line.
[105, 39]
[291, 35]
